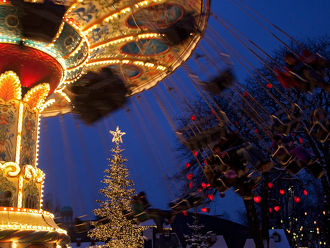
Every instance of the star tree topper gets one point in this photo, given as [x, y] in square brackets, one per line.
[117, 136]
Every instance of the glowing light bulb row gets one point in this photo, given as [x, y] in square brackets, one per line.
[125, 39]
[126, 61]
[27, 227]
[27, 211]
[47, 104]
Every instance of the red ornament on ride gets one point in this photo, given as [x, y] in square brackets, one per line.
[282, 192]
[190, 176]
[270, 185]
[277, 208]
[269, 86]
[270, 210]
[297, 199]
[305, 192]
[257, 199]
[195, 153]
[211, 197]
[193, 117]
[204, 186]
[187, 165]
[205, 210]
[190, 185]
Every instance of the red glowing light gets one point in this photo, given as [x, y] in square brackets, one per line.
[282, 192]
[205, 210]
[195, 153]
[187, 165]
[277, 208]
[190, 176]
[305, 192]
[269, 86]
[204, 185]
[270, 210]
[211, 197]
[257, 199]
[193, 117]
[190, 185]
[270, 185]
[185, 213]
[297, 199]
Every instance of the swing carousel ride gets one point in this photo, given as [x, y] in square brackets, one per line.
[49, 54]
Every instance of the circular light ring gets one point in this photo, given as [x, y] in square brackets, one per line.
[155, 14]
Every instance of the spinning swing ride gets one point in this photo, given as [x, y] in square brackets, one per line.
[88, 57]
[46, 49]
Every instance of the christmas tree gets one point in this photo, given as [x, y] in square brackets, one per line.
[197, 239]
[118, 231]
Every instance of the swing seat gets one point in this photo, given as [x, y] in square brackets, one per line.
[294, 167]
[204, 138]
[319, 132]
[141, 217]
[282, 155]
[316, 169]
[221, 186]
[278, 126]
[187, 202]
[81, 226]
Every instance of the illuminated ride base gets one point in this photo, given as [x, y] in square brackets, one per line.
[35, 72]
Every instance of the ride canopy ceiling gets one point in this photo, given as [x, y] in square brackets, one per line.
[58, 45]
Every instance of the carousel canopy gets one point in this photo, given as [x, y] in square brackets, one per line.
[142, 41]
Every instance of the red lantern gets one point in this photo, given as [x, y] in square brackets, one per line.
[277, 208]
[270, 185]
[190, 176]
[195, 153]
[305, 192]
[282, 192]
[205, 210]
[187, 165]
[190, 185]
[193, 117]
[211, 197]
[204, 185]
[257, 199]
[296, 199]
[269, 86]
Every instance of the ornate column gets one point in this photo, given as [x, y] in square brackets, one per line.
[22, 219]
